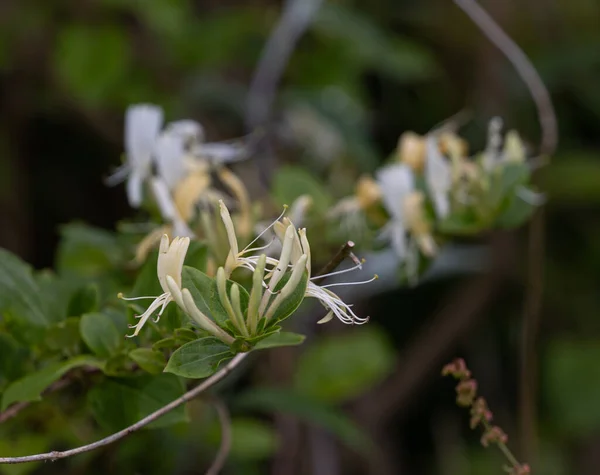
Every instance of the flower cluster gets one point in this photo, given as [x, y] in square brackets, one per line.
[433, 189]
[481, 416]
[176, 164]
[279, 285]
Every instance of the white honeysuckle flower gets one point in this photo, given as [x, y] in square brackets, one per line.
[396, 183]
[295, 257]
[438, 175]
[492, 155]
[168, 269]
[142, 126]
[167, 208]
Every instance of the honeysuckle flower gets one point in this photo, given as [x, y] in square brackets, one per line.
[438, 176]
[397, 183]
[352, 210]
[168, 210]
[295, 258]
[411, 150]
[168, 269]
[142, 126]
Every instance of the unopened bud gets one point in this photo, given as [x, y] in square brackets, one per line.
[367, 192]
[465, 392]
[494, 435]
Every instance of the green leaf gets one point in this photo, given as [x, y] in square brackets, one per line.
[290, 304]
[572, 385]
[84, 300]
[197, 255]
[117, 404]
[92, 61]
[149, 360]
[12, 358]
[87, 252]
[147, 282]
[340, 367]
[308, 409]
[504, 180]
[517, 212]
[280, 339]
[205, 294]
[202, 288]
[100, 334]
[19, 293]
[291, 182]
[198, 359]
[169, 342]
[251, 439]
[31, 386]
[64, 335]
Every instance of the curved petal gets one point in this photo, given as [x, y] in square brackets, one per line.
[395, 181]
[142, 125]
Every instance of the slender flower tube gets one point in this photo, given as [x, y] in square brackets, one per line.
[169, 266]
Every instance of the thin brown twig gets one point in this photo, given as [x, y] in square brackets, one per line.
[206, 384]
[225, 447]
[523, 66]
[344, 252]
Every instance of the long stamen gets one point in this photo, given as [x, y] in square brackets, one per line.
[285, 207]
[120, 296]
[375, 277]
[350, 269]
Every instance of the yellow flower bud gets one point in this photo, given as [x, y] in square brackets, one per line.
[367, 192]
[411, 150]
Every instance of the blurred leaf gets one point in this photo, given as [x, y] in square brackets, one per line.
[572, 179]
[12, 358]
[31, 386]
[337, 368]
[291, 182]
[251, 439]
[100, 334]
[117, 404]
[19, 445]
[280, 339]
[84, 300]
[149, 360]
[517, 212]
[55, 294]
[306, 409]
[371, 46]
[64, 335]
[19, 293]
[87, 252]
[92, 61]
[198, 359]
[169, 342]
[147, 282]
[572, 385]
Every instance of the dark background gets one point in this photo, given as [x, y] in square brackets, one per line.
[68, 70]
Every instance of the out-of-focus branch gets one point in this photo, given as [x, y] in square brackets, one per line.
[295, 19]
[223, 452]
[206, 384]
[525, 69]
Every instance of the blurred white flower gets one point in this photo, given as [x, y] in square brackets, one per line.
[142, 126]
[396, 183]
[438, 175]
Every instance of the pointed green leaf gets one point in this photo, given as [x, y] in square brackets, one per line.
[280, 339]
[31, 386]
[149, 360]
[100, 334]
[198, 359]
[19, 293]
[289, 305]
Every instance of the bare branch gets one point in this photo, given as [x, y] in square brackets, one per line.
[525, 69]
[218, 376]
[223, 452]
[344, 252]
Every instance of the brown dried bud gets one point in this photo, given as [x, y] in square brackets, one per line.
[480, 412]
[458, 369]
[522, 469]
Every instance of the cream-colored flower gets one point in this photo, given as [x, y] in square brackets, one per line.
[169, 266]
